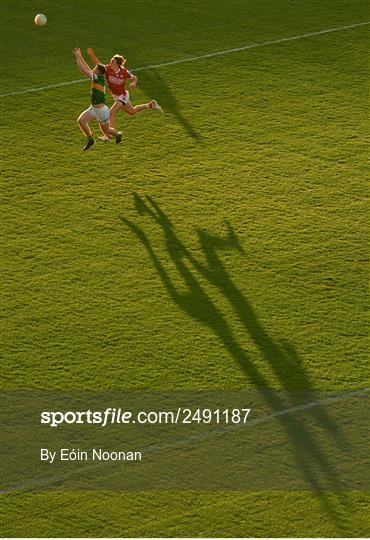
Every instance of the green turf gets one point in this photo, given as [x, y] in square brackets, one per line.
[200, 515]
[222, 245]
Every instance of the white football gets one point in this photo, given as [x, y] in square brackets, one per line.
[40, 19]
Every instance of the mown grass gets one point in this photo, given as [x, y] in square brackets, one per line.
[183, 514]
[222, 245]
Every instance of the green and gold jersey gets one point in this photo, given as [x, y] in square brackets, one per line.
[97, 89]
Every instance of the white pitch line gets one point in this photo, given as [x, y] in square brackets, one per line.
[159, 447]
[193, 58]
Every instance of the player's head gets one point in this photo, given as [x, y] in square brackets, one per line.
[99, 69]
[117, 61]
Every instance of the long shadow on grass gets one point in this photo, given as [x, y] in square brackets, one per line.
[153, 85]
[281, 358]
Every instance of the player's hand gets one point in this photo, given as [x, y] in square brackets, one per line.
[133, 85]
[90, 51]
[77, 51]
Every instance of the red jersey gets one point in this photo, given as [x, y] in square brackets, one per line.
[116, 79]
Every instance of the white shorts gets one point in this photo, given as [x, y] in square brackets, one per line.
[123, 98]
[101, 114]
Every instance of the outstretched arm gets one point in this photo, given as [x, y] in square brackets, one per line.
[93, 56]
[83, 67]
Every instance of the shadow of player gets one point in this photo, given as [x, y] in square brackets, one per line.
[315, 466]
[152, 84]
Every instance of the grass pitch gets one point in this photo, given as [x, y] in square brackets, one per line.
[222, 245]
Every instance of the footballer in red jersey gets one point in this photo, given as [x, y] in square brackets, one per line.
[116, 80]
[116, 76]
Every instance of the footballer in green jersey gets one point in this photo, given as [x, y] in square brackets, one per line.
[98, 110]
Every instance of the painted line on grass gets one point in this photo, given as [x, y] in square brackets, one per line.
[42, 482]
[194, 58]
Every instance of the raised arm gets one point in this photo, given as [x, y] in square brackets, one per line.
[83, 67]
[93, 56]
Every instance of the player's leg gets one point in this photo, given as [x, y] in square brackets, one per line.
[117, 105]
[111, 132]
[83, 121]
[132, 110]
[103, 116]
